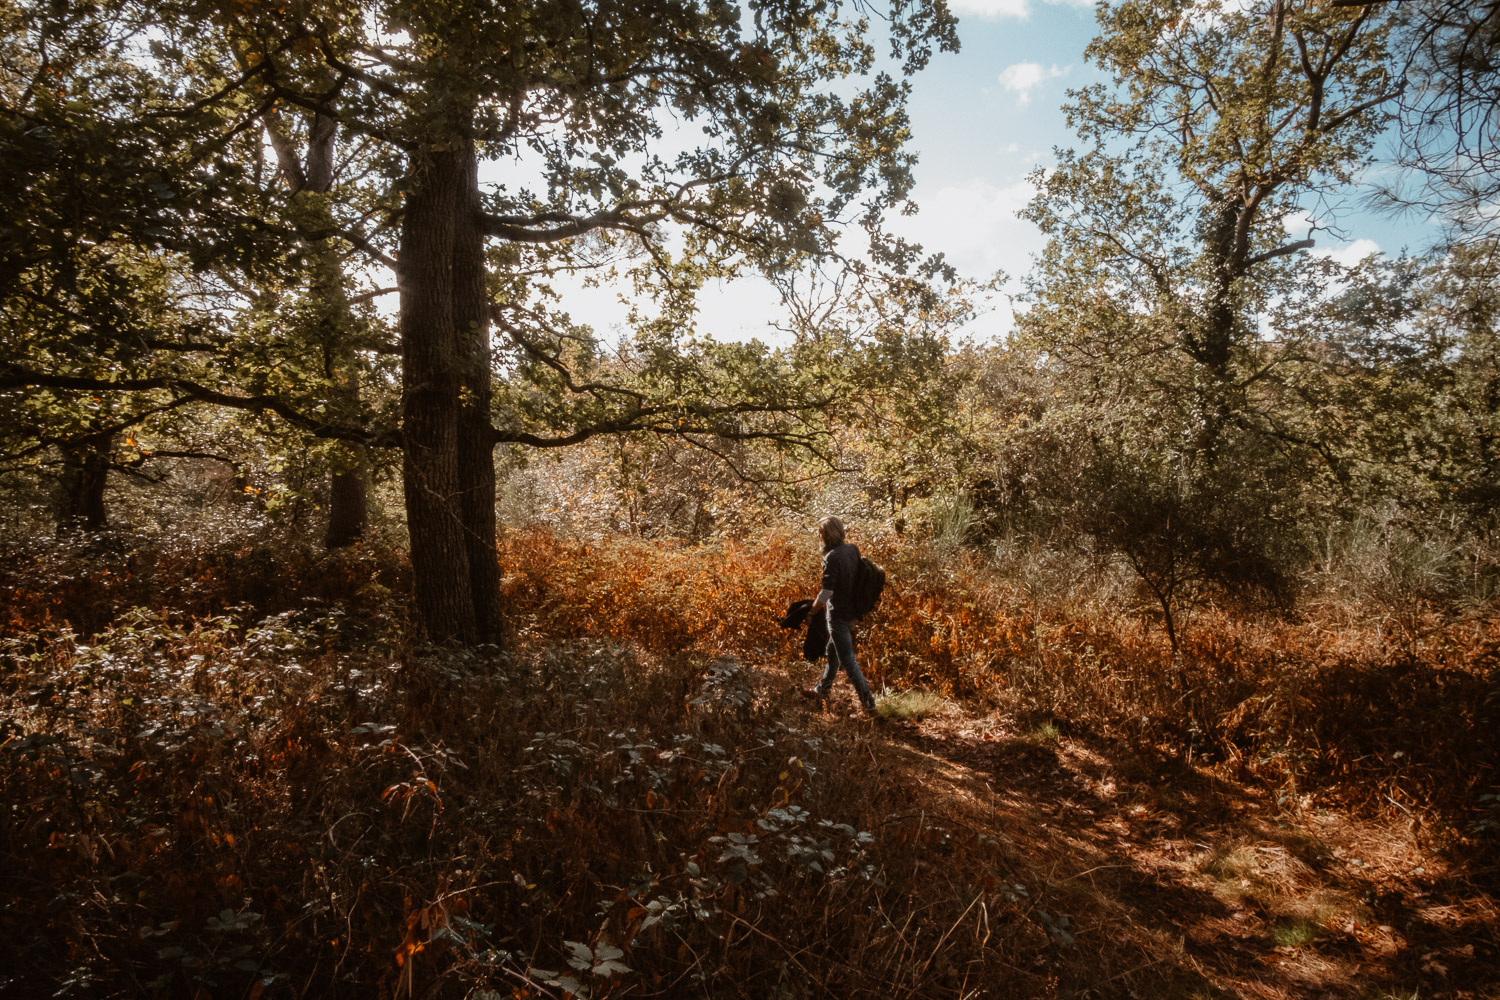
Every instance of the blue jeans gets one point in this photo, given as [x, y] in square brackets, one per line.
[841, 654]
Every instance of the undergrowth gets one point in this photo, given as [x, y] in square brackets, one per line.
[1381, 715]
[244, 811]
[908, 706]
[233, 773]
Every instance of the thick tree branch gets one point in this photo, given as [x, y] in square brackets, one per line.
[1153, 267]
[14, 376]
[286, 155]
[519, 338]
[635, 216]
[1282, 251]
[350, 70]
[373, 293]
[213, 98]
[109, 430]
[562, 227]
[676, 420]
[356, 239]
[1343, 116]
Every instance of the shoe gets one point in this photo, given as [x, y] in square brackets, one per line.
[812, 694]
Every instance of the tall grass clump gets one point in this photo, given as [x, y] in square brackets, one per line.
[909, 706]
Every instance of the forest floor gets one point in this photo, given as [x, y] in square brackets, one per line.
[292, 798]
[1262, 895]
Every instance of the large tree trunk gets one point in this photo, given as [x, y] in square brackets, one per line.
[476, 444]
[448, 451]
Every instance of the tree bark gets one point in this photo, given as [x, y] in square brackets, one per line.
[80, 493]
[476, 445]
[348, 501]
[448, 459]
[348, 508]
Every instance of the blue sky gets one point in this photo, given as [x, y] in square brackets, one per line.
[982, 120]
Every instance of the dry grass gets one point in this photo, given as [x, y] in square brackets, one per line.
[1330, 703]
[909, 706]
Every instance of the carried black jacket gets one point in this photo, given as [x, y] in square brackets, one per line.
[815, 644]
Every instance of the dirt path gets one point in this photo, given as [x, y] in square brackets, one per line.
[1182, 882]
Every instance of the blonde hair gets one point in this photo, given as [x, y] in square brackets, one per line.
[831, 530]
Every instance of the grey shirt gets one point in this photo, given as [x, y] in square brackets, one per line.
[840, 572]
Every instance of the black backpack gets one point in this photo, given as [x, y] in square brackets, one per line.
[868, 584]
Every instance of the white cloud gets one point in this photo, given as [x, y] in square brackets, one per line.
[741, 310]
[991, 9]
[1024, 77]
[1298, 225]
[1350, 253]
[974, 224]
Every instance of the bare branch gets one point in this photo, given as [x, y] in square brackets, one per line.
[1282, 251]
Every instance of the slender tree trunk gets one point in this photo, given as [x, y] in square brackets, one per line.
[311, 179]
[348, 501]
[348, 508]
[80, 493]
[448, 449]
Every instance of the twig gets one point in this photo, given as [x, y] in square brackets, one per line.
[939, 946]
[789, 953]
[1091, 871]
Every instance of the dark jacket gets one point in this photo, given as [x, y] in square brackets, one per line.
[815, 645]
[840, 574]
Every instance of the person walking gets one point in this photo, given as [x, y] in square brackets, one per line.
[836, 599]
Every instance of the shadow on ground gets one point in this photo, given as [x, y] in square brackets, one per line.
[1144, 876]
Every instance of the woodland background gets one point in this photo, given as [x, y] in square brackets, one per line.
[370, 627]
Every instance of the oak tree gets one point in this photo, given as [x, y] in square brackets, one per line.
[679, 141]
[1155, 299]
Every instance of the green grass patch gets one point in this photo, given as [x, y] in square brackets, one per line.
[909, 706]
[1293, 933]
[1043, 732]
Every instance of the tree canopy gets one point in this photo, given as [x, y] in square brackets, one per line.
[205, 136]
